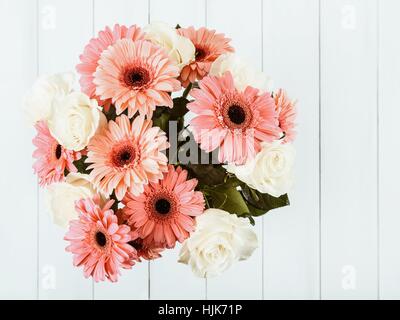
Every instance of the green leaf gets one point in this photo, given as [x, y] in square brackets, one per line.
[179, 109]
[207, 174]
[260, 203]
[81, 165]
[161, 119]
[228, 199]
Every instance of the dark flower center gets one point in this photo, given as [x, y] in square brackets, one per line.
[58, 151]
[162, 206]
[236, 114]
[123, 156]
[101, 239]
[136, 77]
[200, 54]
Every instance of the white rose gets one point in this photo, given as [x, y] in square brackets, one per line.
[61, 197]
[270, 171]
[38, 101]
[220, 240]
[74, 120]
[180, 49]
[243, 75]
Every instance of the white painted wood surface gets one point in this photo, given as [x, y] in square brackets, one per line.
[349, 149]
[389, 155]
[338, 239]
[291, 235]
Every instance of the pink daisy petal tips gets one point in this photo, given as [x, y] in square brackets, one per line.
[286, 110]
[98, 242]
[94, 49]
[52, 158]
[209, 46]
[126, 157]
[236, 122]
[164, 213]
[136, 75]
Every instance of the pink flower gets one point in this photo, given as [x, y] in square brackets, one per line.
[236, 122]
[145, 251]
[286, 110]
[127, 156]
[98, 242]
[52, 158]
[164, 213]
[94, 49]
[136, 75]
[209, 46]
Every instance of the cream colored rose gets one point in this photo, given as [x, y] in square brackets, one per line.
[220, 240]
[243, 75]
[270, 171]
[61, 197]
[38, 101]
[74, 120]
[180, 49]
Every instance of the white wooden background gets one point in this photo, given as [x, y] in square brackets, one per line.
[340, 236]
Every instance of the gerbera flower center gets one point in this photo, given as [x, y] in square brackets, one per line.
[200, 54]
[123, 155]
[101, 239]
[136, 77]
[162, 206]
[58, 151]
[236, 114]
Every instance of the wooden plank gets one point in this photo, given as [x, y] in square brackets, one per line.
[242, 24]
[64, 28]
[349, 149]
[168, 278]
[291, 234]
[133, 284]
[18, 184]
[389, 153]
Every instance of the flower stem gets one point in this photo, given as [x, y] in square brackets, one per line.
[187, 90]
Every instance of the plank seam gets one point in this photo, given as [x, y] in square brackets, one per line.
[378, 147]
[319, 154]
[262, 218]
[37, 180]
[93, 34]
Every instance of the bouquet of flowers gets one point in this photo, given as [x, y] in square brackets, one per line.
[171, 138]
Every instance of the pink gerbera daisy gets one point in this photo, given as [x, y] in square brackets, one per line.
[98, 242]
[136, 75]
[93, 50]
[286, 110]
[164, 213]
[52, 158]
[209, 46]
[236, 122]
[144, 251]
[127, 156]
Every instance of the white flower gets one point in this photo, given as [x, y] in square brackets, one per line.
[220, 240]
[180, 49]
[61, 197]
[74, 120]
[243, 75]
[38, 101]
[270, 171]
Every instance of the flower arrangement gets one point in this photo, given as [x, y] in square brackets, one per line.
[171, 138]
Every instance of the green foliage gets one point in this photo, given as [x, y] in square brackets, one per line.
[81, 165]
[221, 189]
